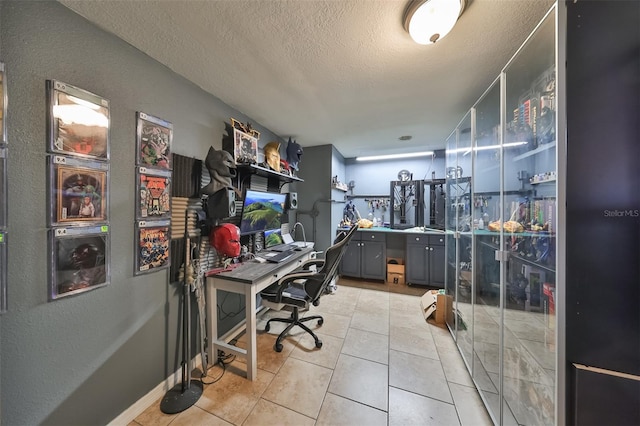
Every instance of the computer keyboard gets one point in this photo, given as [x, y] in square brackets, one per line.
[282, 247]
[277, 257]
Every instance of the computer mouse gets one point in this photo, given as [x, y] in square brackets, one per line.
[297, 249]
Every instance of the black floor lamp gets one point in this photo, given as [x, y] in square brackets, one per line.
[186, 393]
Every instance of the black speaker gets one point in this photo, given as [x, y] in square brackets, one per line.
[292, 201]
[221, 204]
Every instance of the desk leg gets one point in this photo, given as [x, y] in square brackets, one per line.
[252, 344]
[212, 324]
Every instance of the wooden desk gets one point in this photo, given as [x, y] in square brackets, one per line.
[249, 279]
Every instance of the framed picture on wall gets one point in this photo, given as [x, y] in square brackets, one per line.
[153, 194]
[78, 122]
[79, 259]
[77, 191]
[153, 241]
[3, 104]
[153, 144]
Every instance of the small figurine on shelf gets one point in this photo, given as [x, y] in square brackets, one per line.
[272, 155]
[294, 155]
[285, 167]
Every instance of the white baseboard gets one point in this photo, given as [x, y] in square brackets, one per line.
[154, 394]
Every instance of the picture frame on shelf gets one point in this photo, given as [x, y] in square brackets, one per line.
[245, 148]
[79, 259]
[78, 191]
[242, 142]
[153, 194]
[153, 243]
[153, 142]
[78, 122]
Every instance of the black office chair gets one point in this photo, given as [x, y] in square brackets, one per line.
[304, 286]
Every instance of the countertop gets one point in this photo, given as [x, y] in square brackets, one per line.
[415, 230]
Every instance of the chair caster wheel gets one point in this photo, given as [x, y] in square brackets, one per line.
[267, 327]
[320, 321]
[277, 347]
[319, 344]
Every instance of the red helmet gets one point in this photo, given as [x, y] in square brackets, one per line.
[225, 239]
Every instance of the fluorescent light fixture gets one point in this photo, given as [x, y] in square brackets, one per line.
[428, 21]
[394, 156]
[484, 148]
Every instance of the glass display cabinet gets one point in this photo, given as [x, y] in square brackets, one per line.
[501, 236]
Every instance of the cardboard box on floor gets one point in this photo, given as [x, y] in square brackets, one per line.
[395, 270]
[395, 278]
[434, 301]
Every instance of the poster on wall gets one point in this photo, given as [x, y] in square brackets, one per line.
[79, 259]
[77, 190]
[3, 105]
[153, 142]
[154, 194]
[153, 240]
[78, 122]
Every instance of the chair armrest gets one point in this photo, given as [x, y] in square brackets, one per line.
[290, 279]
[312, 262]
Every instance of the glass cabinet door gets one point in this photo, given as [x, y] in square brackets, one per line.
[450, 237]
[487, 157]
[461, 209]
[529, 215]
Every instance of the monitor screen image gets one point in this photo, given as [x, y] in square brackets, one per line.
[272, 237]
[261, 211]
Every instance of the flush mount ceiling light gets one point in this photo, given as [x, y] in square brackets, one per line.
[428, 21]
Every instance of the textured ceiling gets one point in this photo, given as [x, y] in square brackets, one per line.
[341, 72]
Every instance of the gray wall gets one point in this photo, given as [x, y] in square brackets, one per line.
[314, 194]
[84, 359]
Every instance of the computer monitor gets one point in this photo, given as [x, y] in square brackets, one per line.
[272, 238]
[261, 211]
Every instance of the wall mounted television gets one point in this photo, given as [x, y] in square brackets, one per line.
[261, 211]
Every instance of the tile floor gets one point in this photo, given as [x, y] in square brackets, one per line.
[381, 363]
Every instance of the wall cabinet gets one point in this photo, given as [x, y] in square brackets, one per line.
[425, 260]
[365, 256]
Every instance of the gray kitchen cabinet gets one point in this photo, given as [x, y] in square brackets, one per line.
[425, 260]
[365, 256]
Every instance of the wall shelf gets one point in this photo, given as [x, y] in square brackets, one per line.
[340, 187]
[268, 173]
[542, 181]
